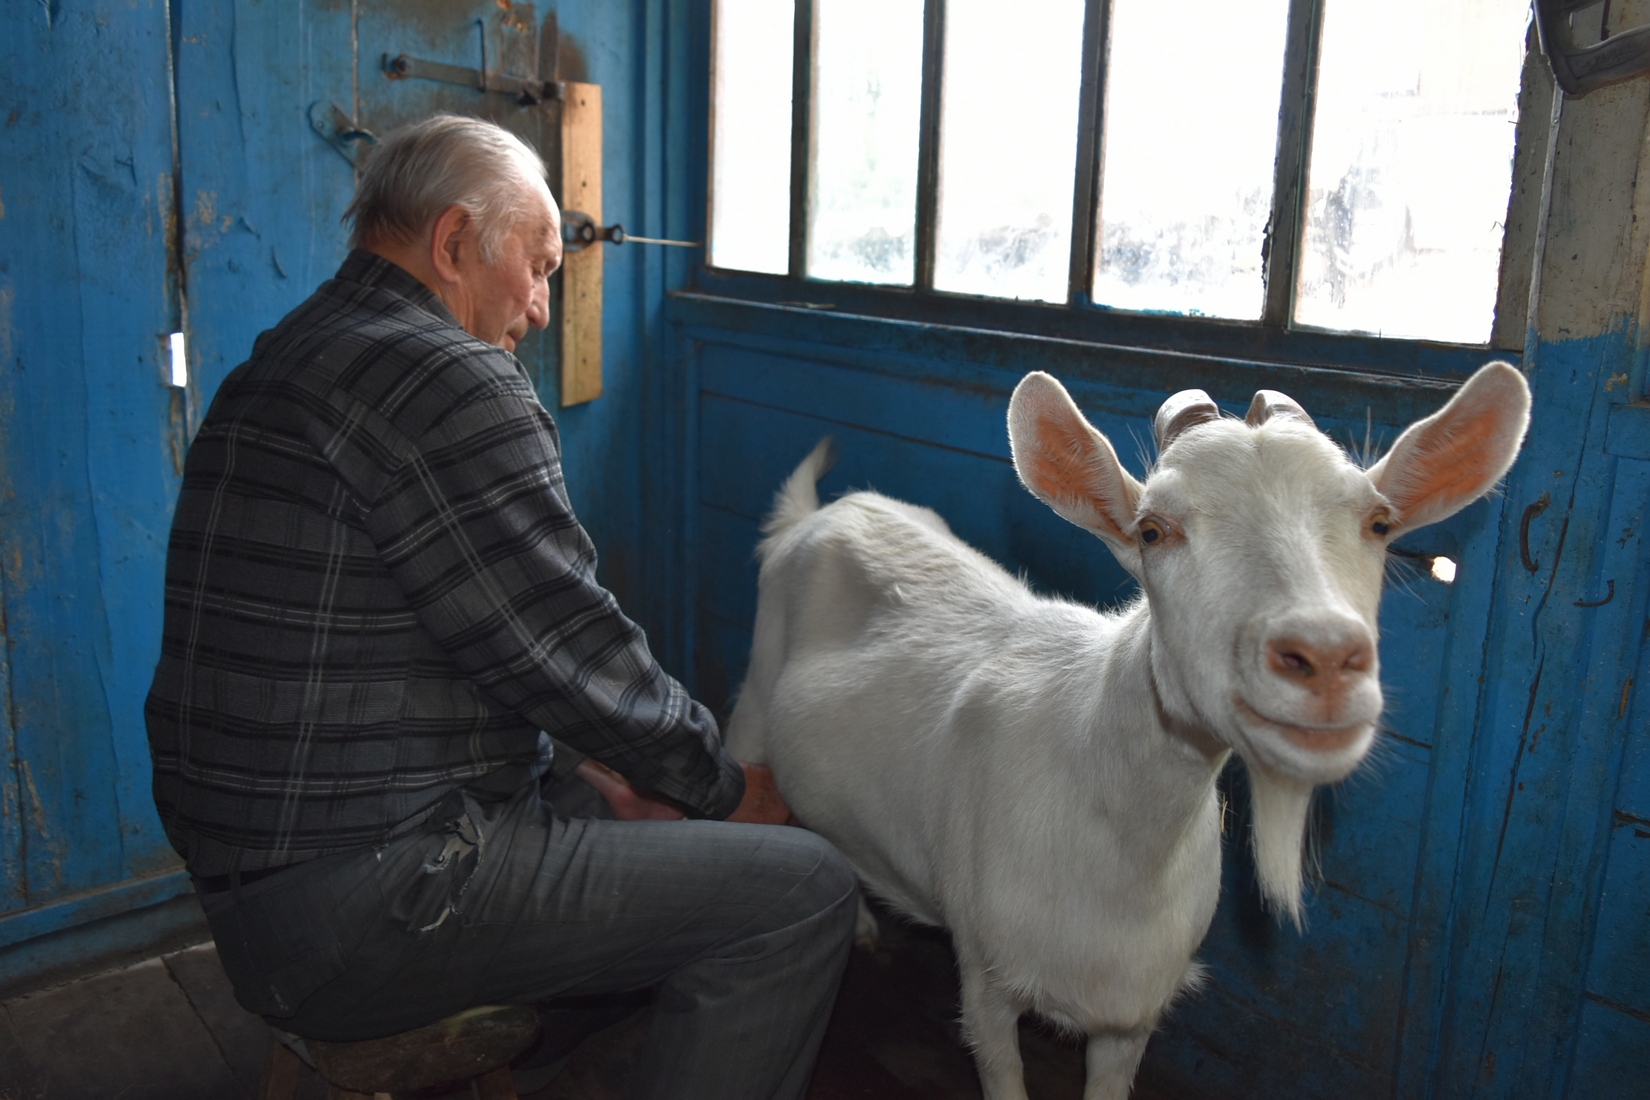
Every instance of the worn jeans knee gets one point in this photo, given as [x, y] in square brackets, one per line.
[825, 890]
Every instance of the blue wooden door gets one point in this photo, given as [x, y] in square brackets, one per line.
[91, 441]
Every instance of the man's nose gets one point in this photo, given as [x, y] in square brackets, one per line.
[538, 309]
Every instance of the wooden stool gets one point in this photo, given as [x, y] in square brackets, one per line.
[475, 1047]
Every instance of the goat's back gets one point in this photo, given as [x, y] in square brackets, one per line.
[897, 679]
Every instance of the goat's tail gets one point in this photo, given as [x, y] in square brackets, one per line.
[799, 496]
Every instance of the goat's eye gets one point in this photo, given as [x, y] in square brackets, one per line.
[1381, 523]
[1152, 531]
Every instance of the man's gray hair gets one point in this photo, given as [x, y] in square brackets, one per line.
[420, 169]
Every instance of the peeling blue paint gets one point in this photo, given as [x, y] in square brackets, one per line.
[84, 301]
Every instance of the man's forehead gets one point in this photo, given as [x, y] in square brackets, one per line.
[542, 220]
[544, 199]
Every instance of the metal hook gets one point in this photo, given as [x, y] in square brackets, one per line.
[1524, 533]
[1609, 594]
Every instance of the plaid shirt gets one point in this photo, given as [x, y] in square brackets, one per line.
[377, 592]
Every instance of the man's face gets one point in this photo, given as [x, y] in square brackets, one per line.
[497, 302]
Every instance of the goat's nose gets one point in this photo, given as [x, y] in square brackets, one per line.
[1326, 667]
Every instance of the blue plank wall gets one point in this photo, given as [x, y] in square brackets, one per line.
[90, 445]
[1480, 925]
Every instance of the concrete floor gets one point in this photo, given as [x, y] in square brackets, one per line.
[170, 1028]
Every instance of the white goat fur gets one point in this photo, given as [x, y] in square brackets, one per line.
[1039, 777]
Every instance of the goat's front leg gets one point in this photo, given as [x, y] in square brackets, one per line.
[991, 1024]
[1111, 1060]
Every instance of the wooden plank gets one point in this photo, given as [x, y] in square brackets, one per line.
[1134, 379]
[1524, 204]
[1627, 433]
[1619, 971]
[581, 271]
[1609, 1052]
[94, 905]
[86, 439]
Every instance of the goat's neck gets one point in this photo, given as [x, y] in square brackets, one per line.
[1158, 769]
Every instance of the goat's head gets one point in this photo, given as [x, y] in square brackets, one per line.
[1261, 548]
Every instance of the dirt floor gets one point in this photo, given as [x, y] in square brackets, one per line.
[169, 1028]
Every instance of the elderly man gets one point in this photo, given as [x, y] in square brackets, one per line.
[385, 646]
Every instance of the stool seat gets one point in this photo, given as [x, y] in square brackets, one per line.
[474, 1045]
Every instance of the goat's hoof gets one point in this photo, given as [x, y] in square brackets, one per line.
[866, 929]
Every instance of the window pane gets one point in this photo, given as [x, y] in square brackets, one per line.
[1008, 147]
[1411, 166]
[750, 210]
[867, 103]
[1190, 139]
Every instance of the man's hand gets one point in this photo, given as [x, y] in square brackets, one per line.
[761, 804]
[627, 803]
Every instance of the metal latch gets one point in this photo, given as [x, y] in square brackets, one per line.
[527, 91]
[519, 49]
[579, 229]
[339, 131]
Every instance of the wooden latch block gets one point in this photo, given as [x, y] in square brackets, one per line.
[581, 271]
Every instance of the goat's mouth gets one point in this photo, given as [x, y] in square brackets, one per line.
[1312, 738]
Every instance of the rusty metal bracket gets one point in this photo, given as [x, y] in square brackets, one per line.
[338, 130]
[1582, 69]
[519, 56]
[527, 92]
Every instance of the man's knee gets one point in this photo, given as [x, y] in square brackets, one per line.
[826, 884]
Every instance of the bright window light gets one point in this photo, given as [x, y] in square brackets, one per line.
[178, 361]
[862, 207]
[750, 209]
[1007, 160]
[1444, 569]
[1188, 154]
[1412, 145]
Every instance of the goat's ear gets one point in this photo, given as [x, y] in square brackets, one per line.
[1070, 466]
[1445, 462]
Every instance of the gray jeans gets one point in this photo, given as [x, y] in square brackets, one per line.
[744, 928]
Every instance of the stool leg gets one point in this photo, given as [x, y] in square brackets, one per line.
[497, 1085]
[282, 1067]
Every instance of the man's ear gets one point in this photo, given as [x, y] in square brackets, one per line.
[1445, 462]
[1068, 465]
[450, 232]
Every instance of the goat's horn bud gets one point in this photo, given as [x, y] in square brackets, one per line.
[1182, 411]
[1270, 403]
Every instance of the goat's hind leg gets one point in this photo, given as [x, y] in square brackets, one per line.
[1111, 1060]
[991, 1024]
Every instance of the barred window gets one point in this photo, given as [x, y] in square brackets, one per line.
[1324, 165]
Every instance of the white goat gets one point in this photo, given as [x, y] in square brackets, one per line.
[1039, 777]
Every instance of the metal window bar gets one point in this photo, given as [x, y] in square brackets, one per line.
[1295, 112]
[928, 142]
[1289, 195]
[802, 130]
[1085, 205]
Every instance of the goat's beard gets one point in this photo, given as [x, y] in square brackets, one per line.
[1278, 805]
